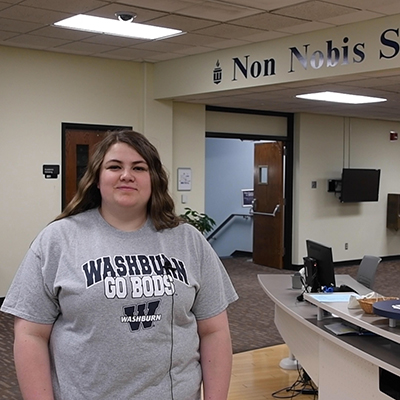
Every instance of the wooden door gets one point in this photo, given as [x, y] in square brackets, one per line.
[78, 148]
[268, 204]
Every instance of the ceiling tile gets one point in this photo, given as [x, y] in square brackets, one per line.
[10, 25]
[372, 5]
[307, 27]
[225, 44]
[194, 50]
[35, 42]
[124, 54]
[70, 6]
[85, 48]
[160, 46]
[186, 24]
[268, 21]
[353, 17]
[264, 36]
[155, 57]
[6, 35]
[4, 6]
[163, 5]
[27, 24]
[387, 10]
[129, 53]
[228, 31]
[218, 11]
[193, 39]
[37, 15]
[314, 10]
[267, 5]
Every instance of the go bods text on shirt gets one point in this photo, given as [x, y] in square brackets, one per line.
[135, 275]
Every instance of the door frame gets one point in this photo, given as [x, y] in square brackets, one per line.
[75, 126]
[288, 167]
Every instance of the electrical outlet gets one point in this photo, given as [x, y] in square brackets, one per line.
[346, 246]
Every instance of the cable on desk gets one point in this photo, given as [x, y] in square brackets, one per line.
[302, 385]
[306, 289]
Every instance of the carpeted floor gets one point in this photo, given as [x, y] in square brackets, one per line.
[8, 382]
[251, 318]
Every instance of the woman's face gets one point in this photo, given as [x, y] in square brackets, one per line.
[124, 180]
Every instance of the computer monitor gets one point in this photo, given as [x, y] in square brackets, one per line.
[319, 266]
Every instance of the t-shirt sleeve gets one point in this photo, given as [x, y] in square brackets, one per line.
[29, 297]
[216, 290]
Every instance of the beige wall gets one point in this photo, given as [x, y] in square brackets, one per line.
[40, 91]
[324, 145]
[252, 124]
[189, 151]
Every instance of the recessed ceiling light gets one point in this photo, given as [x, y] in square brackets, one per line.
[115, 27]
[341, 98]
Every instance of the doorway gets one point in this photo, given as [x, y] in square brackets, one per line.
[236, 162]
[78, 144]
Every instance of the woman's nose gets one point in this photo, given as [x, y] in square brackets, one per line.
[126, 174]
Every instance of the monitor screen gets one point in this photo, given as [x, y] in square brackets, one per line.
[322, 272]
[360, 185]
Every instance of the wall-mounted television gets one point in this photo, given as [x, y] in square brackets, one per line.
[359, 185]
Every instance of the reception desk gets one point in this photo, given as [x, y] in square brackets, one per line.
[343, 367]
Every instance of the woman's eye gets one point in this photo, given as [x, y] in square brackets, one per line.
[139, 169]
[114, 167]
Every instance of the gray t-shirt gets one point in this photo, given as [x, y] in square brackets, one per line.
[124, 306]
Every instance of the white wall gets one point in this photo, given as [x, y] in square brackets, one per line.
[324, 145]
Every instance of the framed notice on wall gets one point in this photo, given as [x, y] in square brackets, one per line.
[184, 179]
[247, 197]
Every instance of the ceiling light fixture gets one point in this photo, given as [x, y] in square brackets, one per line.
[341, 98]
[107, 26]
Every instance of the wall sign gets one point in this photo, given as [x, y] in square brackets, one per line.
[360, 47]
[184, 179]
[247, 197]
[51, 171]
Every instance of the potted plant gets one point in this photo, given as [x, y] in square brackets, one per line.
[200, 221]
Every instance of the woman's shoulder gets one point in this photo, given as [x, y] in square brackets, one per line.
[81, 218]
[187, 232]
[68, 225]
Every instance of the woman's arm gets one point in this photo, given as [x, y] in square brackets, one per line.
[32, 362]
[215, 356]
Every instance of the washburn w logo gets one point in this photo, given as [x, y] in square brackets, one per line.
[141, 315]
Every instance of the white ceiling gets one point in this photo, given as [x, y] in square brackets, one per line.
[212, 25]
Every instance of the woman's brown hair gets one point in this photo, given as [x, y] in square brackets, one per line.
[160, 207]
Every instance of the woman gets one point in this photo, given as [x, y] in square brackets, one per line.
[117, 298]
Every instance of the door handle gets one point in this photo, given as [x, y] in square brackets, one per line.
[273, 214]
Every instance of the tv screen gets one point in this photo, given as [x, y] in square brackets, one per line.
[360, 185]
[323, 273]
